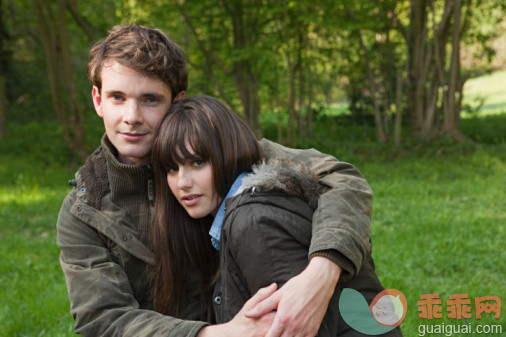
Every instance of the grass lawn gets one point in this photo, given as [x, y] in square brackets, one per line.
[439, 227]
[438, 222]
[487, 90]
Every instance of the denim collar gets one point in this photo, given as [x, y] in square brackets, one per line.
[215, 231]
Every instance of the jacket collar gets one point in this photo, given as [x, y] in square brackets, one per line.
[116, 214]
[286, 177]
[275, 175]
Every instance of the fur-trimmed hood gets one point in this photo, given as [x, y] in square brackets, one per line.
[286, 176]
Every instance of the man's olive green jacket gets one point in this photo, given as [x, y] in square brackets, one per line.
[101, 232]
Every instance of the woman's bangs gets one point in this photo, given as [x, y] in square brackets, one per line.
[184, 143]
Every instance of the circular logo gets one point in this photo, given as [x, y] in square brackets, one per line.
[389, 307]
[384, 314]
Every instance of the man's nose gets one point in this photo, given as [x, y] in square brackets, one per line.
[132, 114]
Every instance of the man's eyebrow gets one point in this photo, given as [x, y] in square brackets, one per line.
[114, 92]
[143, 95]
[152, 94]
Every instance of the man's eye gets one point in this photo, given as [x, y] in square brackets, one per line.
[117, 97]
[198, 163]
[151, 100]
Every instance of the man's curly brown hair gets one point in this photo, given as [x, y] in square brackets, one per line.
[143, 49]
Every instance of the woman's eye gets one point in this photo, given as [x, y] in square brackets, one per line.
[198, 163]
[172, 170]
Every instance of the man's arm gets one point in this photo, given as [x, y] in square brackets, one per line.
[269, 244]
[341, 234]
[102, 301]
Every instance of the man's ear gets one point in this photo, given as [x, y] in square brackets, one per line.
[97, 100]
[179, 96]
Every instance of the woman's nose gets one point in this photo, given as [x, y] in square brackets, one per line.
[185, 179]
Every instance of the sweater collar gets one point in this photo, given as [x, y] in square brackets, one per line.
[126, 180]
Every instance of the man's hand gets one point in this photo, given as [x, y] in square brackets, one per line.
[241, 325]
[302, 302]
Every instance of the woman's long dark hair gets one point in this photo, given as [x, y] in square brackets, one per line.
[182, 245]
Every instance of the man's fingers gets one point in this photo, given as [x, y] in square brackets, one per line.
[260, 296]
[265, 306]
[276, 328]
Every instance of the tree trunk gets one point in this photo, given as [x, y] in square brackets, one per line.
[415, 44]
[247, 87]
[3, 61]
[380, 134]
[209, 58]
[64, 96]
[431, 76]
[3, 107]
[398, 108]
[291, 132]
[86, 27]
[309, 116]
[242, 70]
[450, 120]
[302, 81]
[301, 102]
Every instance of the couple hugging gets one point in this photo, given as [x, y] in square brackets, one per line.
[182, 223]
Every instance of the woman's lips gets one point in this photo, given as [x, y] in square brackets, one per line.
[191, 199]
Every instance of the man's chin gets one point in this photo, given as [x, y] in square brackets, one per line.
[129, 157]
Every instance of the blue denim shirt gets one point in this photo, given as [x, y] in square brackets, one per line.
[215, 231]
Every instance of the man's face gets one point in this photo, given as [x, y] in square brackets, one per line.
[132, 106]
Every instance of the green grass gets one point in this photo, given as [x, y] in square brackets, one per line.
[439, 227]
[486, 93]
[438, 222]
[32, 186]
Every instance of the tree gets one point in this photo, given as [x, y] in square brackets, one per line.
[425, 37]
[436, 79]
[3, 62]
[285, 55]
[377, 62]
[226, 37]
[54, 31]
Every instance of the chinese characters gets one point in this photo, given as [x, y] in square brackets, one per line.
[458, 306]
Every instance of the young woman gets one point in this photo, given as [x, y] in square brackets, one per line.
[211, 179]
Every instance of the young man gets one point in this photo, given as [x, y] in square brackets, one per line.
[137, 72]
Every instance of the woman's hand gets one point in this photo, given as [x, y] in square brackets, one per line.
[302, 302]
[241, 325]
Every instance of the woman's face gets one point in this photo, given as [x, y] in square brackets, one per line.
[192, 185]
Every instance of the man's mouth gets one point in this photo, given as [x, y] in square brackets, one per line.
[133, 136]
